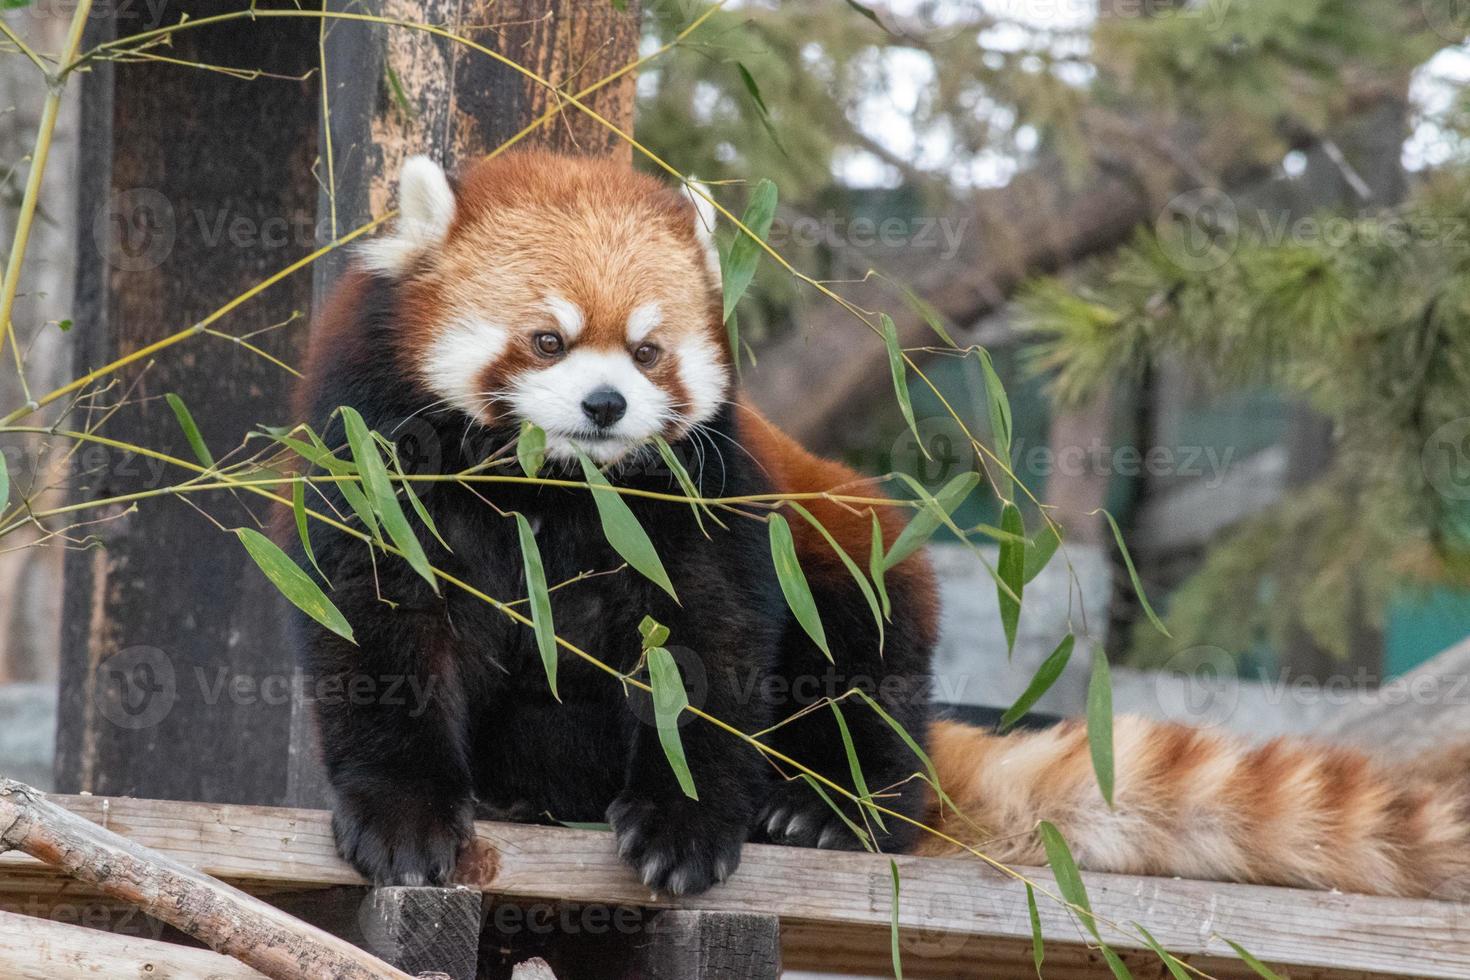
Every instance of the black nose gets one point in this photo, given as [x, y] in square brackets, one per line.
[604, 406]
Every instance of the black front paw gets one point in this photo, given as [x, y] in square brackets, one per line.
[796, 816]
[681, 847]
[406, 840]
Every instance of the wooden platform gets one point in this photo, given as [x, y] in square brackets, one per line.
[957, 917]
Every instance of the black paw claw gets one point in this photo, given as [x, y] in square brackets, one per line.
[681, 848]
[797, 817]
[414, 844]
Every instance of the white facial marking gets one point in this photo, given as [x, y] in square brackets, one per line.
[705, 378]
[568, 315]
[425, 212]
[642, 322]
[704, 226]
[464, 348]
[552, 399]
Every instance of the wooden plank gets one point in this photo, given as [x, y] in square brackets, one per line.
[35, 949]
[946, 902]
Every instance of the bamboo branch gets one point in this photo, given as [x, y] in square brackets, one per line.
[224, 918]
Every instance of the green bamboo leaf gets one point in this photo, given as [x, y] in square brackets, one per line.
[622, 529]
[669, 699]
[927, 519]
[897, 958]
[1038, 948]
[1100, 722]
[1046, 675]
[540, 600]
[292, 582]
[744, 253]
[866, 12]
[1133, 577]
[686, 483]
[652, 632]
[1175, 968]
[1116, 964]
[1261, 969]
[1069, 879]
[852, 569]
[793, 582]
[732, 332]
[298, 510]
[1011, 567]
[1039, 551]
[854, 766]
[860, 833]
[531, 448]
[400, 97]
[923, 308]
[408, 491]
[763, 113]
[383, 499]
[876, 566]
[998, 405]
[191, 431]
[900, 374]
[902, 733]
[4, 482]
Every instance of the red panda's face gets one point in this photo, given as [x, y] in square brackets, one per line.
[573, 294]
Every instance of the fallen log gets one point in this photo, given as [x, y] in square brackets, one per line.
[218, 915]
[37, 949]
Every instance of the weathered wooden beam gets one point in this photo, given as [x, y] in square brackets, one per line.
[424, 930]
[224, 918]
[692, 944]
[834, 908]
[36, 949]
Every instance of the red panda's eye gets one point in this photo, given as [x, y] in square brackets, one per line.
[549, 344]
[646, 354]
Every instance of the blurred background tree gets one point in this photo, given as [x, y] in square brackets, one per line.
[1230, 233]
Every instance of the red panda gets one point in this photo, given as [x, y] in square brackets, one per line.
[585, 298]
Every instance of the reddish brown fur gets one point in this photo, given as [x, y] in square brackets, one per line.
[794, 470]
[1200, 804]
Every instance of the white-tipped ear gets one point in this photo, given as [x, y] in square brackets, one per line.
[425, 211]
[704, 225]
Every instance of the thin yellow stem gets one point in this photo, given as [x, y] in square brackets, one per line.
[25, 49]
[42, 151]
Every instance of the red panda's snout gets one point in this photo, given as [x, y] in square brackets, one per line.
[571, 293]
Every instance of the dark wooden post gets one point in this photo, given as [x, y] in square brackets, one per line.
[195, 186]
